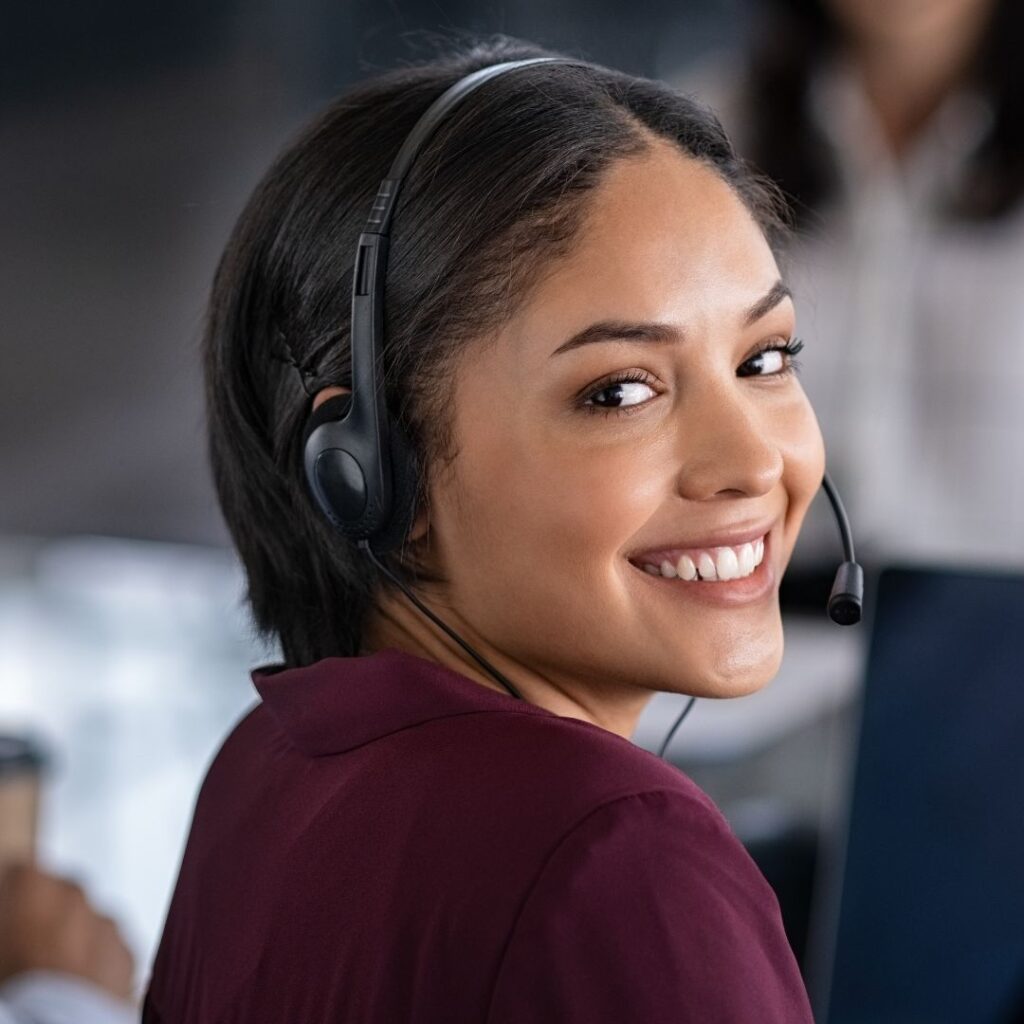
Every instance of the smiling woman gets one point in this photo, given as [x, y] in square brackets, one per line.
[589, 348]
[575, 459]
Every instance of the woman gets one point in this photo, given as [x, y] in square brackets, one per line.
[591, 352]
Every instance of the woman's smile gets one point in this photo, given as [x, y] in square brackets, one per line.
[726, 575]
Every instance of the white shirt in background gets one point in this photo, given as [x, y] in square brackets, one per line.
[47, 997]
[915, 338]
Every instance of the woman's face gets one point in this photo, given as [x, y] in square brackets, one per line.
[566, 484]
[909, 22]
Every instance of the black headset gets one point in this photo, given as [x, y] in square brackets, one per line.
[359, 463]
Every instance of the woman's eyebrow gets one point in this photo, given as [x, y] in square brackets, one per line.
[776, 294]
[620, 330]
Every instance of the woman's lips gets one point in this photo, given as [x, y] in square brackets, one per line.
[734, 538]
[732, 559]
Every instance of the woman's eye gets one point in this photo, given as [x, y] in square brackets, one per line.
[623, 393]
[770, 361]
[774, 360]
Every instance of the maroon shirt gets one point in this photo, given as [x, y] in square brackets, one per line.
[384, 840]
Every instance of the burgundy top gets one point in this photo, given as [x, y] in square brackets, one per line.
[385, 840]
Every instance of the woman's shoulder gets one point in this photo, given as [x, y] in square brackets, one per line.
[442, 752]
[653, 911]
[448, 733]
[578, 757]
[556, 772]
[543, 773]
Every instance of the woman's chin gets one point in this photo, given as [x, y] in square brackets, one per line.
[737, 672]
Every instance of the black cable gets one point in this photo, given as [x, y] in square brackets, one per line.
[845, 533]
[846, 601]
[844, 605]
[365, 546]
[679, 722]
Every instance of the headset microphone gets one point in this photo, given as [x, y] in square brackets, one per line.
[358, 462]
[846, 601]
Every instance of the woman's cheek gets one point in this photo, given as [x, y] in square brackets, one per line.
[803, 449]
[600, 498]
[809, 450]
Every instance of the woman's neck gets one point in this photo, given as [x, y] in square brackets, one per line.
[906, 81]
[395, 623]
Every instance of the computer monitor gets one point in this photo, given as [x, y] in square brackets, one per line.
[921, 914]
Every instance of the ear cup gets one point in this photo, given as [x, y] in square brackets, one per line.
[404, 484]
[337, 480]
[334, 475]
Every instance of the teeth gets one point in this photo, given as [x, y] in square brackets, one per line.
[717, 564]
[706, 564]
[746, 559]
[686, 568]
[728, 564]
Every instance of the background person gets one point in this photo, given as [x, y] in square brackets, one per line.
[898, 131]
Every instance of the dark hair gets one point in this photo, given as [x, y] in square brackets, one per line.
[796, 36]
[496, 193]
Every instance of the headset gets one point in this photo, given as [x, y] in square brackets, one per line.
[359, 464]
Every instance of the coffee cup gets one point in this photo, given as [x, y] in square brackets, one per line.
[22, 763]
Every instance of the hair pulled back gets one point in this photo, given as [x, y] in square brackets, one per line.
[496, 194]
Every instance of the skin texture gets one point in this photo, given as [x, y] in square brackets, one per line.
[909, 55]
[533, 520]
[48, 924]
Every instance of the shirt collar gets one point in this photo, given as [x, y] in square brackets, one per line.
[953, 133]
[337, 704]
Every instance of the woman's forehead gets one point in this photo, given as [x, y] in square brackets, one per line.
[664, 239]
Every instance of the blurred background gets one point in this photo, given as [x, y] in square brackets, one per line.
[131, 136]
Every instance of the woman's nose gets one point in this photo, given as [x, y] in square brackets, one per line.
[727, 447]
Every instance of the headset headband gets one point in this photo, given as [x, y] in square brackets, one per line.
[351, 467]
[370, 269]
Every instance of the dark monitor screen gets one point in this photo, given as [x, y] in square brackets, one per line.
[929, 900]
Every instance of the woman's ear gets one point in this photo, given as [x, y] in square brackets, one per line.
[419, 524]
[322, 395]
